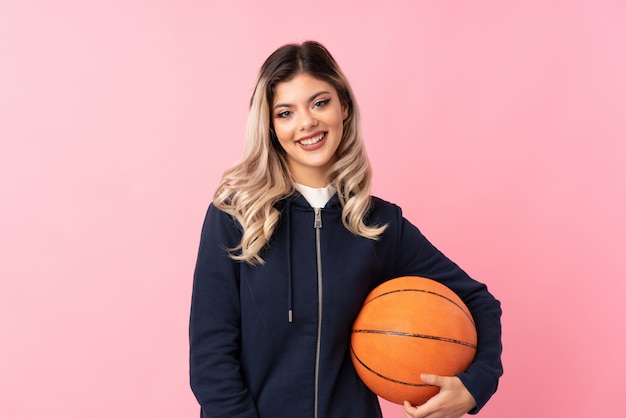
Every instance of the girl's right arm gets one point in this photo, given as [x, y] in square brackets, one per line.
[214, 326]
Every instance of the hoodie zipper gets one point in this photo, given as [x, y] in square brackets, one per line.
[318, 226]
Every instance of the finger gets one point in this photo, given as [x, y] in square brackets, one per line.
[409, 410]
[433, 379]
[449, 402]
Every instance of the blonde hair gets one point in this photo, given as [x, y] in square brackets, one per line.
[251, 188]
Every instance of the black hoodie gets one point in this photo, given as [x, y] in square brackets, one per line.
[273, 340]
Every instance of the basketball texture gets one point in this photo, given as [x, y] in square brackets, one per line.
[408, 326]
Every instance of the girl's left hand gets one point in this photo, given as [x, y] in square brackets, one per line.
[452, 401]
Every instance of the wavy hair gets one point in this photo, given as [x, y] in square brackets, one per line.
[250, 189]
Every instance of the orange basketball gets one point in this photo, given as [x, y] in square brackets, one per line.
[408, 326]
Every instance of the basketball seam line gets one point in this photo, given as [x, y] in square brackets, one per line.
[428, 292]
[385, 377]
[412, 335]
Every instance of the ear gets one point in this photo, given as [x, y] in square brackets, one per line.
[345, 111]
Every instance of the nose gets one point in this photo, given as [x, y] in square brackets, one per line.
[307, 121]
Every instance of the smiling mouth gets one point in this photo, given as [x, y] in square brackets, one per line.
[313, 140]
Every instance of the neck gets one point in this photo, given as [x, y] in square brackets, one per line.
[313, 178]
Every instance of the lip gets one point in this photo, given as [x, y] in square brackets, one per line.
[316, 145]
[313, 135]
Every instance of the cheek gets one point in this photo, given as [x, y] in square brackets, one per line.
[283, 132]
[339, 125]
[282, 136]
[285, 139]
[340, 118]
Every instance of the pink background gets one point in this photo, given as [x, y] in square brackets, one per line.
[498, 126]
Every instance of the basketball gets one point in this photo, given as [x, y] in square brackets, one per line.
[409, 326]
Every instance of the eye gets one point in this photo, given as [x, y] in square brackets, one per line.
[283, 114]
[321, 103]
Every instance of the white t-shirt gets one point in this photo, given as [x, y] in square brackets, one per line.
[317, 197]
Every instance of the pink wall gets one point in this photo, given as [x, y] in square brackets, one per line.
[498, 126]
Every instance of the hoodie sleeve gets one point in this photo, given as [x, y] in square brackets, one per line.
[214, 326]
[415, 255]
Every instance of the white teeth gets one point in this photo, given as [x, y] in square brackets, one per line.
[311, 141]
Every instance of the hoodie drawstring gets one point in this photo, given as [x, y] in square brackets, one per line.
[287, 211]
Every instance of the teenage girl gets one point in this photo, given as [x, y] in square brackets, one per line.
[292, 244]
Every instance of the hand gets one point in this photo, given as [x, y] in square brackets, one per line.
[452, 401]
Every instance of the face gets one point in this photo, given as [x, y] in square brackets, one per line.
[308, 120]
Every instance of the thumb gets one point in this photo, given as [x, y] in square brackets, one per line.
[431, 379]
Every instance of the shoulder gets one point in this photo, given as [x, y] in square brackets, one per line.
[391, 214]
[219, 221]
[382, 212]
[383, 208]
[377, 201]
[216, 213]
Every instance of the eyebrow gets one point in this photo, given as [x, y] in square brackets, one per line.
[319, 93]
